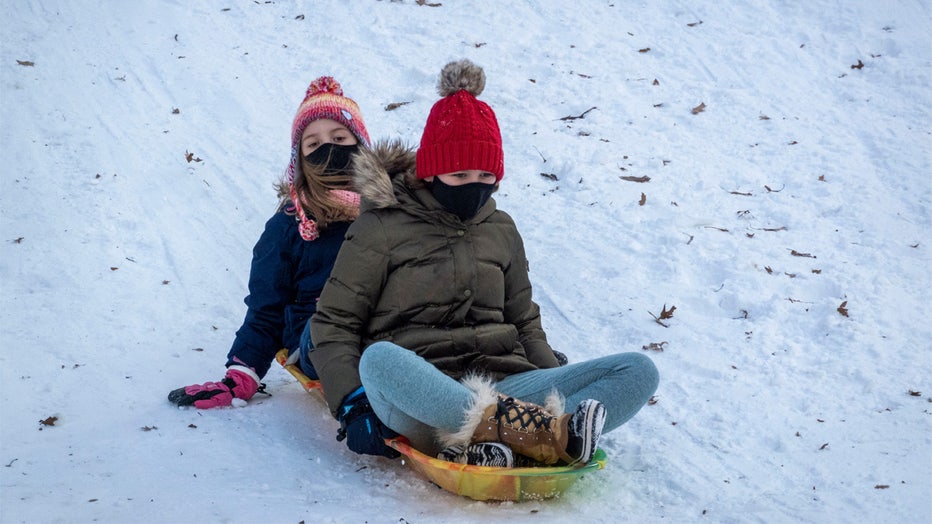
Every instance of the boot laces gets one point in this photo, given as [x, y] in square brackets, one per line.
[526, 418]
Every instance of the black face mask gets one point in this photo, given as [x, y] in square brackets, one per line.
[335, 158]
[463, 201]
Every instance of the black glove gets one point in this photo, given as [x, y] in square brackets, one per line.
[561, 358]
[361, 428]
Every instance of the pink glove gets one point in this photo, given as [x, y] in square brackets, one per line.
[240, 382]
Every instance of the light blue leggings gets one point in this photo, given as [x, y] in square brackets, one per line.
[413, 397]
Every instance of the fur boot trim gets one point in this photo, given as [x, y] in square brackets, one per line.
[483, 395]
[555, 403]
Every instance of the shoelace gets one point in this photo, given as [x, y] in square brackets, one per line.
[527, 419]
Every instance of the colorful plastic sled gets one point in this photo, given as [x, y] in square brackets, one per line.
[476, 482]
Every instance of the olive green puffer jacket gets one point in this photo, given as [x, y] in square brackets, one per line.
[409, 272]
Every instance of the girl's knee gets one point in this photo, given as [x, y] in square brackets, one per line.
[640, 367]
[649, 372]
[373, 358]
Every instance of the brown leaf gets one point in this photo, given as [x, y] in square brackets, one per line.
[190, 157]
[655, 346]
[699, 108]
[882, 486]
[643, 200]
[657, 83]
[299, 17]
[652, 400]
[665, 314]
[843, 308]
[50, 421]
[149, 428]
[915, 393]
[176, 111]
[694, 24]
[640, 179]
[395, 105]
[859, 65]
[549, 176]
[799, 254]
[823, 446]
[644, 50]
[424, 2]
[26, 63]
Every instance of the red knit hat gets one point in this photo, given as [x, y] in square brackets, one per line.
[461, 131]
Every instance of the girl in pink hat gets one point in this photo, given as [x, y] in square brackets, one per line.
[294, 255]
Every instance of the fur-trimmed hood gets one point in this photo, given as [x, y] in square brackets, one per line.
[376, 170]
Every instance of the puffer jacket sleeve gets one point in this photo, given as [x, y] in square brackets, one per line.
[338, 326]
[270, 290]
[522, 311]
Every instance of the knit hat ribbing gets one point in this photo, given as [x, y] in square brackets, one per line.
[461, 131]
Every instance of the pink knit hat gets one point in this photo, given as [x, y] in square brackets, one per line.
[461, 131]
[323, 99]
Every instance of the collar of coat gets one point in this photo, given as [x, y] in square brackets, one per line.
[374, 170]
[386, 177]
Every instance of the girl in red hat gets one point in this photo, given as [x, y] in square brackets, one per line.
[427, 327]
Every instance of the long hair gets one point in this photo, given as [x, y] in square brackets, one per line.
[313, 184]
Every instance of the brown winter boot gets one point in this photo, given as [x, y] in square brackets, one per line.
[526, 428]
[540, 435]
[546, 435]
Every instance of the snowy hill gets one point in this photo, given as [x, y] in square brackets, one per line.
[763, 167]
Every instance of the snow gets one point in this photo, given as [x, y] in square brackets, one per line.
[801, 191]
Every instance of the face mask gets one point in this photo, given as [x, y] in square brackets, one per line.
[335, 158]
[463, 201]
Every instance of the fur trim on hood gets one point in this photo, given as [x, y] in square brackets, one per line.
[375, 169]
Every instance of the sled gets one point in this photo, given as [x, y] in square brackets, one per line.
[475, 482]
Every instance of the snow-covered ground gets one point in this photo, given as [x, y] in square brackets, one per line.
[788, 222]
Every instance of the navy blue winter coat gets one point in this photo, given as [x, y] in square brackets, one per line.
[285, 280]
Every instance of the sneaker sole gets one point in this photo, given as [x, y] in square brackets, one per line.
[593, 424]
[477, 458]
